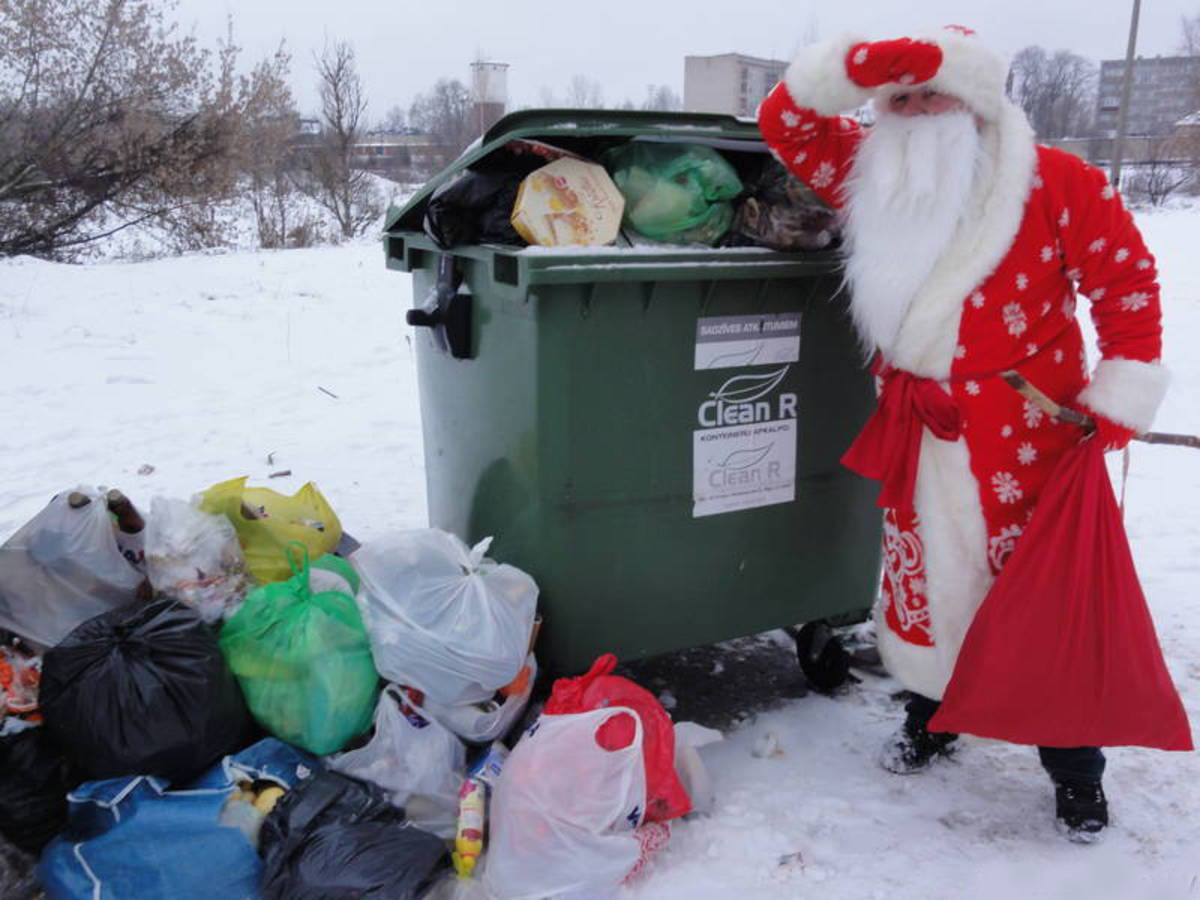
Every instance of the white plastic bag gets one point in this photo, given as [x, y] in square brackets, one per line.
[482, 723]
[443, 618]
[693, 774]
[194, 557]
[565, 809]
[417, 761]
[62, 568]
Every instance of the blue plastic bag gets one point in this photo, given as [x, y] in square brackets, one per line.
[141, 839]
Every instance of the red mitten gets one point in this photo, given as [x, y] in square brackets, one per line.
[902, 61]
[1111, 435]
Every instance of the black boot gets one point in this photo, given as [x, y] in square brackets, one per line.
[1081, 810]
[913, 748]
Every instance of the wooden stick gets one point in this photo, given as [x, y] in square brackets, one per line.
[1065, 414]
[1177, 440]
[1054, 410]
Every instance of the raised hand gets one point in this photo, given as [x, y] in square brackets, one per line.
[901, 61]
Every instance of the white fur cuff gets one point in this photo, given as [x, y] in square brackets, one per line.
[1127, 391]
[817, 80]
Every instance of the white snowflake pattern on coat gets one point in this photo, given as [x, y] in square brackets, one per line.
[1027, 454]
[1007, 487]
[1135, 301]
[1014, 318]
[823, 176]
[1032, 414]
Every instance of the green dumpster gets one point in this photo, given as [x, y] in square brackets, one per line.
[652, 433]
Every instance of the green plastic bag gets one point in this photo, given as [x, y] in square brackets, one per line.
[303, 658]
[675, 193]
[267, 521]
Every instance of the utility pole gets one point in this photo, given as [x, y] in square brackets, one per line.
[1123, 113]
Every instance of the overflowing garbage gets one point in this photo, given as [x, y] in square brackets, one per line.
[209, 700]
[630, 192]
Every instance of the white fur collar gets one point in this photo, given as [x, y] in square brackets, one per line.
[928, 334]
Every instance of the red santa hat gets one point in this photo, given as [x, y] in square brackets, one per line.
[970, 71]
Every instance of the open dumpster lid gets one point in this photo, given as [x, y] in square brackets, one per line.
[567, 125]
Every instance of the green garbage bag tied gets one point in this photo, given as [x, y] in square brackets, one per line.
[301, 654]
[674, 193]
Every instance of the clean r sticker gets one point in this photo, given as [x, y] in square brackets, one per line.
[727, 342]
[744, 452]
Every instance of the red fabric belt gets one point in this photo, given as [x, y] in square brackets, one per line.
[889, 446]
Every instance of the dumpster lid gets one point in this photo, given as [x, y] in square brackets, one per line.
[714, 129]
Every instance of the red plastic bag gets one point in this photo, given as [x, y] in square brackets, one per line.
[1062, 652]
[665, 795]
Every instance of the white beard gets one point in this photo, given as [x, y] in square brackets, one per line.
[909, 188]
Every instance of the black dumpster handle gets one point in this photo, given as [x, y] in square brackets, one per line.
[446, 311]
[423, 318]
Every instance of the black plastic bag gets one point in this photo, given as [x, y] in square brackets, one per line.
[337, 838]
[143, 690]
[35, 778]
[782, 213]
[475, 208]
[17, 878]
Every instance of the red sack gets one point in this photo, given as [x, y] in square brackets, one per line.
[1062, 652]
[665, 795]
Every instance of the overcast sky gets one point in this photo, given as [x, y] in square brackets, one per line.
[404, 46]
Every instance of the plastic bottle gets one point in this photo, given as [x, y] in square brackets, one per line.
[468, 839]
[129, 520]
[131, 540]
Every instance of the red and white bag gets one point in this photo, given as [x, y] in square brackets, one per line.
[565, 809]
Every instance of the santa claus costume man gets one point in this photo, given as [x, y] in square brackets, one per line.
[967, 245]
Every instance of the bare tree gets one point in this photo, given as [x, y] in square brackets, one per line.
[580, 92]
[584, 93]
[104, 109]
[661, 97]
[267, 129]
[1189, 27]
[395, 120]
[445, 113]
[1056, 91]
[347, 193]
[1170, 167]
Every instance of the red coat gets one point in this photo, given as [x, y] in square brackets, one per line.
[1005, 299]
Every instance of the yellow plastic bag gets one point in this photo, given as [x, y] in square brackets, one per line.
[266, 521]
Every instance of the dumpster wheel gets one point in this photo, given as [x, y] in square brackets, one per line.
[823, 659]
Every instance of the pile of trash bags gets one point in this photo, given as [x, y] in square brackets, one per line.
[228, 696]
[639, 191]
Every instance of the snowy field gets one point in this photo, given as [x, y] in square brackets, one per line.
[209, 367]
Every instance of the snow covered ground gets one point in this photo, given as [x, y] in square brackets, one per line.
[207, 367]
